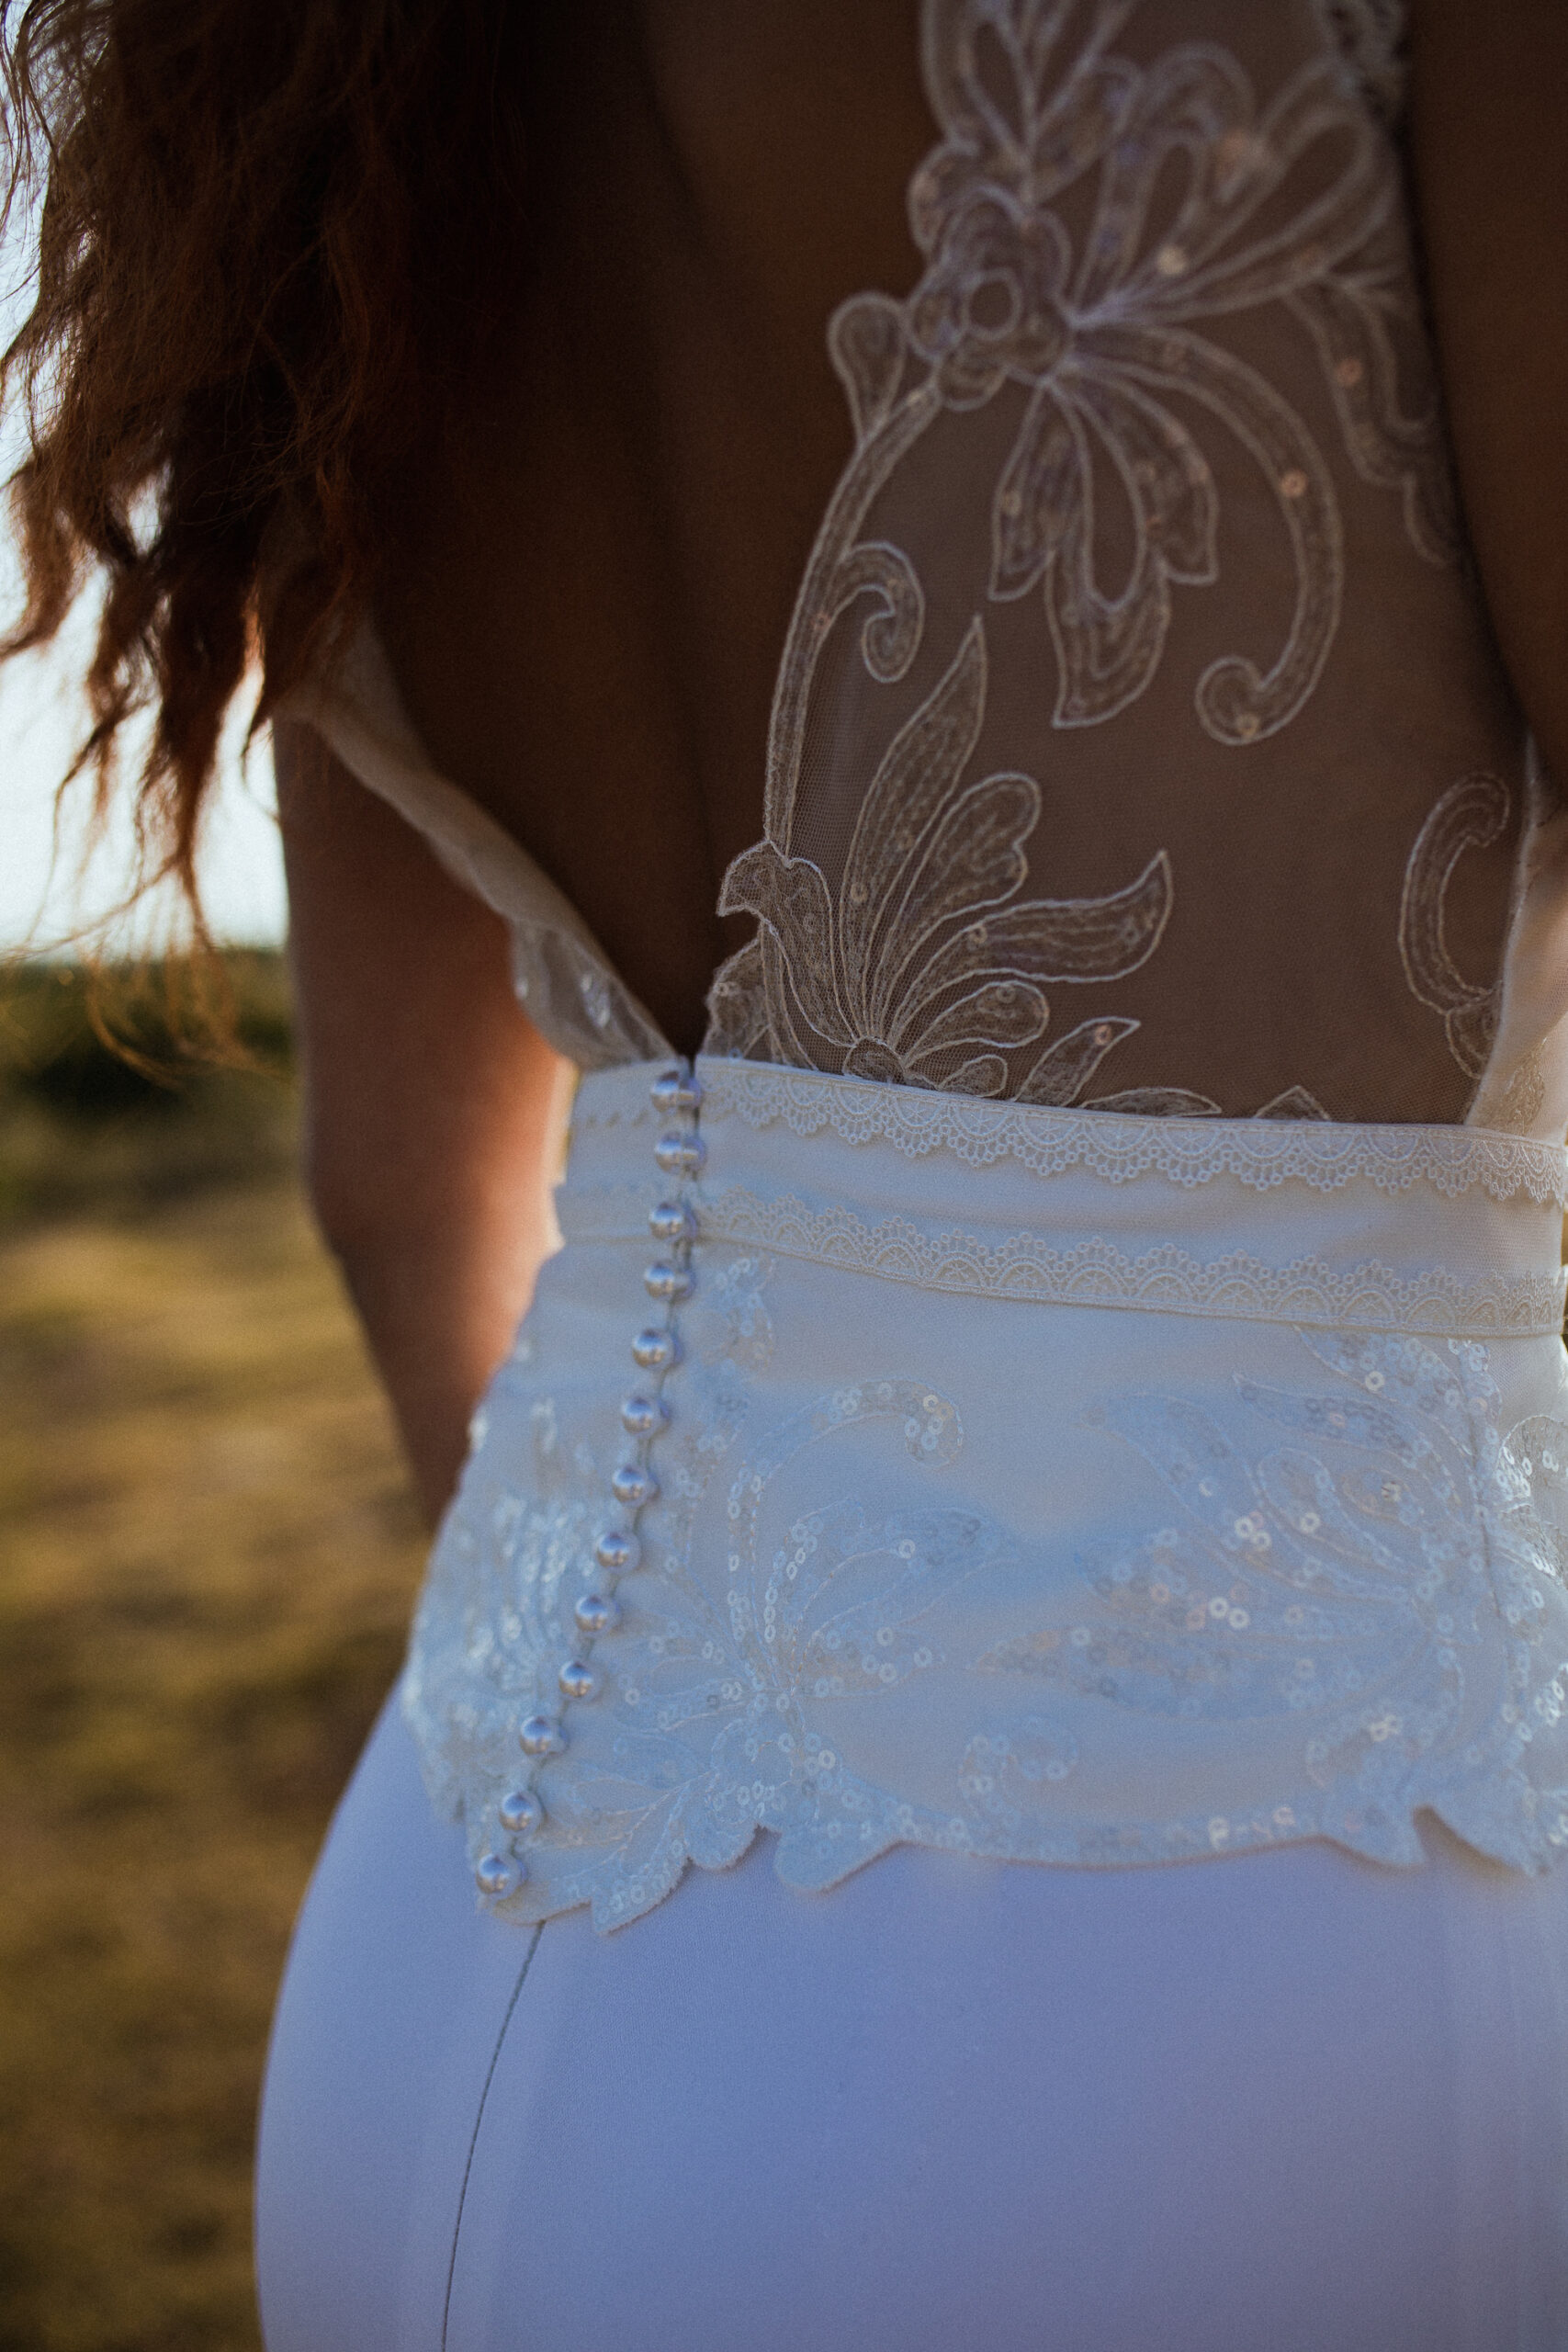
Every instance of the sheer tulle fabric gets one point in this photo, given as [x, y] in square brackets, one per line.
[1082, 787]
[1138, 740]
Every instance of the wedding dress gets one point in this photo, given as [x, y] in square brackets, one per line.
[1096, 1400]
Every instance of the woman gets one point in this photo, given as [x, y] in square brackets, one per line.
[1082, 1475]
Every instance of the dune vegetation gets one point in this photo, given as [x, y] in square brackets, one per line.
[207, 1550]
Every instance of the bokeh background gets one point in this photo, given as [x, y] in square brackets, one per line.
[207, 1551]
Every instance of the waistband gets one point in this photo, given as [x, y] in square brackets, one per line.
[1446, 1231]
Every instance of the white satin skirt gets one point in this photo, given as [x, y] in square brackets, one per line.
[1079, 1580]
[1289, 2101]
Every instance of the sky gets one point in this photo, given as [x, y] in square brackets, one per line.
[45, 890]
[45, 893]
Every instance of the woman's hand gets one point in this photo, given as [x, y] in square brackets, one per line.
[434, 1113]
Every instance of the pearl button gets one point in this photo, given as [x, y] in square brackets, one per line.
[597, 1613]
[541, 1735]
[496, 1875]
[676, 1090]
[616, 1550]
[672, 1221]
[680, 1155]
[521, 1812]
[643, 1416]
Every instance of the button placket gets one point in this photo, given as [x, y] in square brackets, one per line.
[634, 1485]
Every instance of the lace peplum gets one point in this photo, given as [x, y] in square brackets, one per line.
[1141, 1509]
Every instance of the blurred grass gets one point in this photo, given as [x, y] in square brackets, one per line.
[207, 1550]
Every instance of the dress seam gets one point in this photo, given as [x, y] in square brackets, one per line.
[478, 2122]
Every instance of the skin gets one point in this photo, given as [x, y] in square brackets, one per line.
[433, 1111]
[1491, 163]
[585, 594]
[583, 601]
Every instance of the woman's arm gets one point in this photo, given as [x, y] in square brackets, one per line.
[433, 1110]
[1489, 94]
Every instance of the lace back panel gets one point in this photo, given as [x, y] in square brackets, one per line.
[1137, 741]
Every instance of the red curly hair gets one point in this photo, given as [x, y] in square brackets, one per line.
[275, 235]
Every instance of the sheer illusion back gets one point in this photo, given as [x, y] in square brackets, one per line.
[1138, 741]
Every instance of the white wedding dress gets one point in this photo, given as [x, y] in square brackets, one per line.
[1039, 1616]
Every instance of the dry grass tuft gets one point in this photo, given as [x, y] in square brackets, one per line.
[207, 1555]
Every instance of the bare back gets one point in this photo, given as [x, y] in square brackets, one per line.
[586, 611]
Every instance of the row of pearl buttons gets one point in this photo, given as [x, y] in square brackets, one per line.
[644, 1416]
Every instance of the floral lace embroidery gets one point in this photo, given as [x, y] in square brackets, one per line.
[1523, 1095]
[1164, 1279]
[711, 1743]
[1374, 1576]
[929, 969]
[1103, 338]
[929, 952]
[1372, 35]
[1471, 814]
[1351, 1575]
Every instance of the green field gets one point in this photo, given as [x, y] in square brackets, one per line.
[207, 1555]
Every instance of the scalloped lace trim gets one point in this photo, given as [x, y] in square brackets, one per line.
[1349, 1573]
[1164, 1280]
[1260, 1153]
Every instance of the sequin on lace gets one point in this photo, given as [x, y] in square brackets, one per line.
[1340, 1556]
[1360, 1578]
[1088, 344]
[1273, 1549]
[928, 952]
